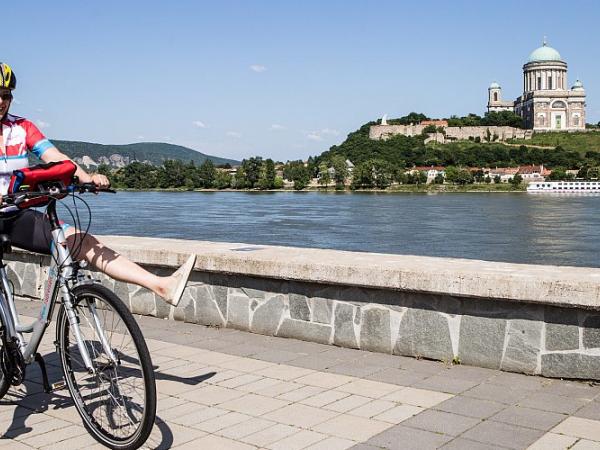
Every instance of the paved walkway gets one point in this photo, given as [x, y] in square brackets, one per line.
[227, 389]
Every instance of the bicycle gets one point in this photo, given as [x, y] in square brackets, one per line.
[105, 361]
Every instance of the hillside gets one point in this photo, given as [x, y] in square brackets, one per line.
[580, 142]
[568, 150]
[119, 155]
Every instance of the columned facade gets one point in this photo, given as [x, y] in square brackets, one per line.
[547, 104]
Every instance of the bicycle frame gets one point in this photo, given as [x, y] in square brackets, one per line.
[62, 276]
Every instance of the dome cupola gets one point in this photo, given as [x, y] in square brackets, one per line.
[577, 86]
[544, 53]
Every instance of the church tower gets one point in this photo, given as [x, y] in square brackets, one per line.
[495, 102]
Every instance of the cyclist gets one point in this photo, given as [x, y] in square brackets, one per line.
[30, 230]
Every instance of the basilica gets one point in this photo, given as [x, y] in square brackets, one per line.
[547, 104]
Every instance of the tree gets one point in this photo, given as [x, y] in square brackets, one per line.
[487, 179]
[439, 179]
[383, 173]
[207, 173]
[324, 176]
[497, 179]
[340, 170]
[239, 179]
[362, 175]
[479, 175]
[252, 168]
[267, 175]
[516, 181]
[222, 179]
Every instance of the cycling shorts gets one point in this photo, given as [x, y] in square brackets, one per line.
[29, 230]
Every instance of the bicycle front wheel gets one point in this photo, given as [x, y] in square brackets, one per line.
[117, 402]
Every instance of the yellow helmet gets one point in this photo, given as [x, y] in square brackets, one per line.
[7, 77]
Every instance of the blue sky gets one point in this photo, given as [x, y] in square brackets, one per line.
[282, 79]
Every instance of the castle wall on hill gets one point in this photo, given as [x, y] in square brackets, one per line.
[383, 132]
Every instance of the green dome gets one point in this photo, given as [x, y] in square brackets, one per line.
[544, 53]
[494, 85]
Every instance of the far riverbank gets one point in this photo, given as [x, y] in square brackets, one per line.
[408, 188]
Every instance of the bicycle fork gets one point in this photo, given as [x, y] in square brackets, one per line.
[62, 259]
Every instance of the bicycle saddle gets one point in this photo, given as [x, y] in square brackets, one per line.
[5, 243]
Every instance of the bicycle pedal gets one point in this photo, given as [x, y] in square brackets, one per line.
[58, 386]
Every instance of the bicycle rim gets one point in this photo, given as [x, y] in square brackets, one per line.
[118, 402]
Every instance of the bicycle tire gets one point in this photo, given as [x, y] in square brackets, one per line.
[104, 397]
[4, 381]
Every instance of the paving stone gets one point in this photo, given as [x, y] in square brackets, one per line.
[213, 442]
[315, 362]
[332, 443]
[578, 427]
[471, 407]
[372, 409]
[368, 388]
[301, 416]
[554, 403]
[573, 389]
[354, 370]
[398, 414]
[398, 437]
[509, 435]
[445, 384]
[351, 427]
[253, 404]
[324, 380]
[530, 418]
[298, 441]
[532, 383]
[441, 422]
[397, 376]
[220, 422]
[498, 393]
[424, 332]
[269, 435]
[590, 411]
[245, 428]
[553, 441]
[584, 444]
[276, 356]
[417, 397]
[347, 403]
[470, 373]
[467, 444]
[324, 398]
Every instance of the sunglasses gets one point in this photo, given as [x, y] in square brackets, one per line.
[6, 96]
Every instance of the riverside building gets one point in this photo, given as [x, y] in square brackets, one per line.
[547, 104]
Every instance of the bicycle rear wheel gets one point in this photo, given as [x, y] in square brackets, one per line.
[118, 402]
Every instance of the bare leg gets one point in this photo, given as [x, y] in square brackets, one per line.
[117, 266]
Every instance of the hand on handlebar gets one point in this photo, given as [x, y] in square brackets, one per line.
[101, 181]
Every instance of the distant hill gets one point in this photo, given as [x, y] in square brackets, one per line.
[120, 155]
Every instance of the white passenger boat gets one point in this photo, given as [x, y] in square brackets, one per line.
[562, 187]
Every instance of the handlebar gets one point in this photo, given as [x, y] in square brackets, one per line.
[10, 202]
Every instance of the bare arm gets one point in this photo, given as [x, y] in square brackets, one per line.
[53, 154]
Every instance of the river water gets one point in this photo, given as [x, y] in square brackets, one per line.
[513, 227]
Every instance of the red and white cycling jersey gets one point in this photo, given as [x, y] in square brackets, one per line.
[20, 137]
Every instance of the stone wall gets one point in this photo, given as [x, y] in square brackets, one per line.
[379, 132]
[542, 336]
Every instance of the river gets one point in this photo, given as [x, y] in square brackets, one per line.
[513, 227]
